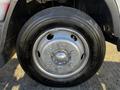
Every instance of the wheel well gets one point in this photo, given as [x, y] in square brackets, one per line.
[97, 9]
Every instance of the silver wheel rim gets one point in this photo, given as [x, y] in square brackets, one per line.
[60, 54]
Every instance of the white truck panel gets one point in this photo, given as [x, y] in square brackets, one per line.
[3, 8]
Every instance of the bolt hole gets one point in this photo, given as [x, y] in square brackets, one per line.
[50, 37]
[38, 54]
[74, 37]
[82, 56]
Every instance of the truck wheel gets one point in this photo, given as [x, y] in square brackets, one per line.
[61, 47]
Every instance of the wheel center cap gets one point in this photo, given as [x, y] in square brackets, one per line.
[60, 58]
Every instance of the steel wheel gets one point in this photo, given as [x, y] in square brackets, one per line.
[60, 54]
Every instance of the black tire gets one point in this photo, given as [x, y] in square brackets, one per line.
[62, 16]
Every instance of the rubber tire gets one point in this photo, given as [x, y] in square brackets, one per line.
[40, 22]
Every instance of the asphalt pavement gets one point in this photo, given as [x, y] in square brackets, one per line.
[12, 77]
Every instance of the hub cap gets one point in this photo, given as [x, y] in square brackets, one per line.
[60, 54]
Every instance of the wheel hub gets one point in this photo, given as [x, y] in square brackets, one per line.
[60, 53]
[60, 58]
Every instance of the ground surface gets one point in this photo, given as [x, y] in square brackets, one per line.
[12, 77]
